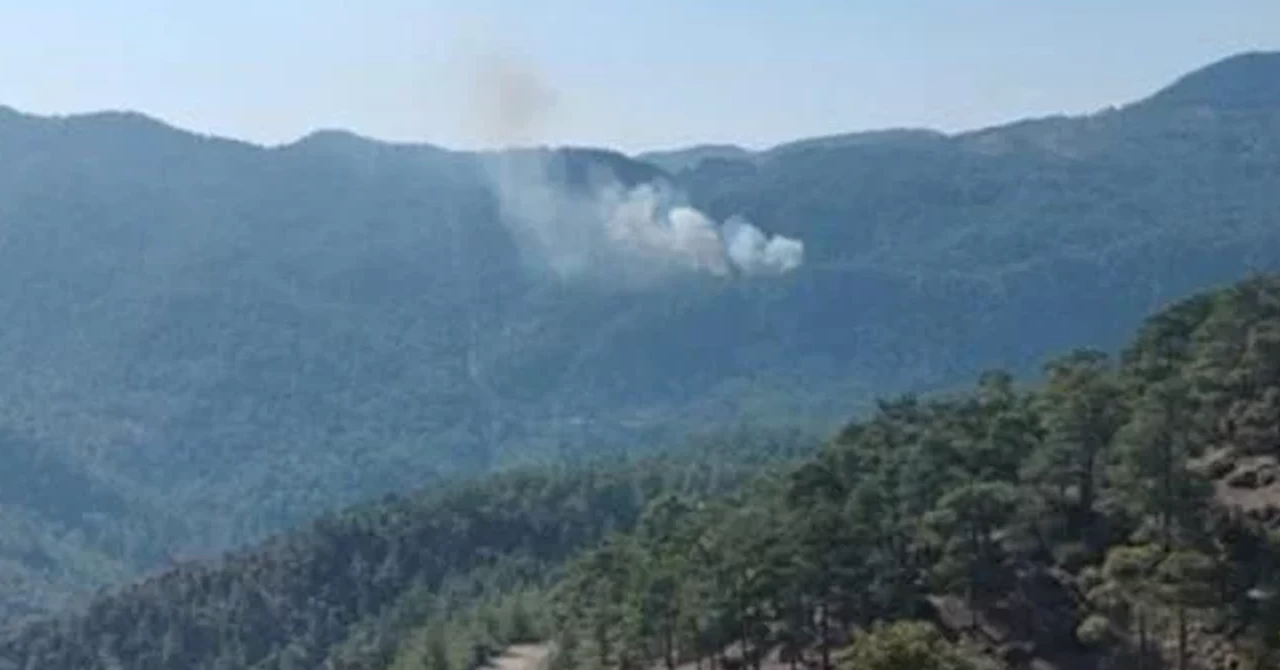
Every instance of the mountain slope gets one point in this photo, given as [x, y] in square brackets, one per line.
[1242, 82]
[1119, 515]
[1090, 522]
[231, 339]
[315, 595]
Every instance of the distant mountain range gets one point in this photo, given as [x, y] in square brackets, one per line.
[205, 341]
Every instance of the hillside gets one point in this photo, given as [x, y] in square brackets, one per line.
[1089, 522]
[346, 588]
[209, 341]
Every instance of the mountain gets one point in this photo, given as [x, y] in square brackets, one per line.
[209, 341]
[1122, 513]
[345, 589]
[1242, 82]
[678, 160]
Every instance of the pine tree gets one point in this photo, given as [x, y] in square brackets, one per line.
[1081, 410]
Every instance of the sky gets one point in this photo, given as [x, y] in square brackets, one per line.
[638, 75]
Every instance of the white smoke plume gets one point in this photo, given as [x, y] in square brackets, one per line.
[754, 252]
[603, 229]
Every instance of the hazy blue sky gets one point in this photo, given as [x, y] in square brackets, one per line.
[641, 74]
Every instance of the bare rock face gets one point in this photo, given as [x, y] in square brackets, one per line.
[1243, 479]
[1220, 466]
[1252, 473]
[1033, 626]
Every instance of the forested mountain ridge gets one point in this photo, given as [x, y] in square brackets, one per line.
[345, 589]
[216, 340]
[1120, 514]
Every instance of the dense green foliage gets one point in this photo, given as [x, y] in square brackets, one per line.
[909, 646]
[1077, 520]
[207, 341]
[346, 589]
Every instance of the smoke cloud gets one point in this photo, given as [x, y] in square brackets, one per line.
[637, 235]
[510, 103]
[604, 229]
[754, 252]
